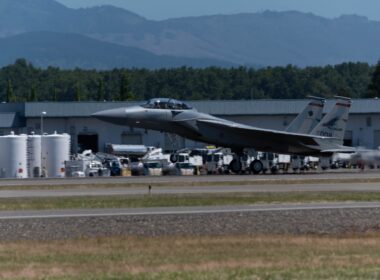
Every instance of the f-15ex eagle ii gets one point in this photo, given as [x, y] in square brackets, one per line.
[304, 137]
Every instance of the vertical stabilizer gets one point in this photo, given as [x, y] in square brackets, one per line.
[309, 117]
[334, 123]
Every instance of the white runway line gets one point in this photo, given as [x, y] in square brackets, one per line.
[180, 211]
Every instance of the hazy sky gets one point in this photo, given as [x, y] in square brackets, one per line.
[162, 9]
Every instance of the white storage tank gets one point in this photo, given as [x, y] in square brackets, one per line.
[34, 156]
[55, 151]
[13, 159]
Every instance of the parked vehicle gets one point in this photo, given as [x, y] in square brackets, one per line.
[153, 168]
[184, 169]
[268, 161]
[282, 162]
[85, 168]
[218, 163]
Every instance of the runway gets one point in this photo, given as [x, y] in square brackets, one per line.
[88, 213]
[285, 218]
[77, 192]
[346, 175]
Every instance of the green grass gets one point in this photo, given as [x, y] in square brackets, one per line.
[181, 200]
[231, 257]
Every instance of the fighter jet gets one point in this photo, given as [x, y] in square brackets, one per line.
[309, 117]
[173, 116]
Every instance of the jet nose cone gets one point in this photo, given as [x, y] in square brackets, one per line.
[116, 116]
[121, 116]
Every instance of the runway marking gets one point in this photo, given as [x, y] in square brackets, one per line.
[190, 212]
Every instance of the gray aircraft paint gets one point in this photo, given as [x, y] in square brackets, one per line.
[334, 123]
[308, 118]
[191, 124]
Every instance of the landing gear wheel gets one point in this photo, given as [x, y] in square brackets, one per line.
[235, 166]
[256, 166]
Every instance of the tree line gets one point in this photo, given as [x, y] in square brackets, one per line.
[22, 81]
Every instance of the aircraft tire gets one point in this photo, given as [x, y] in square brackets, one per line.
[235, 166]
[256, 166]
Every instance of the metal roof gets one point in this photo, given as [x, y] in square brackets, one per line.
[12, 108]
[11, 120]
[228, 107]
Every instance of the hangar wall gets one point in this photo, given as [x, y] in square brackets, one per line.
[363, 128]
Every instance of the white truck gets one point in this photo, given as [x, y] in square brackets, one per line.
[302, 163]
[297, 163]
[184, 169]
[153, 168]
[183, 159]
[85, 168]
[266, 159]
[218, 163]
[281, 162]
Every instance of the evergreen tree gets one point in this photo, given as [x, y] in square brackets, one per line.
[188, 83]
[78, 92]
[100, 96]
[33, 94]
[10, 97]
[54, 93]
[374, 87]
[124, 92]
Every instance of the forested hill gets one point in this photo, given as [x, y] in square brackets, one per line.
[24, 82]
[263, 39]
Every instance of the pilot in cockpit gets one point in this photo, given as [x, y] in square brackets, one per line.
[156, 104]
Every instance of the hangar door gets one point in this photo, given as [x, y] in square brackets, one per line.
[347, 141]
[88, 142]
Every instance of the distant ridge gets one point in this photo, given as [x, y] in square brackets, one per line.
[67, 51]
[268, 38]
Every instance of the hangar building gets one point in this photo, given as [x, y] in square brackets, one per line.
[363, 128]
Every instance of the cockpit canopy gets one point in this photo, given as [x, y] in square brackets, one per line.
[166, 103]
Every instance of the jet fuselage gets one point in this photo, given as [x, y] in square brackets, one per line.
[191, 124]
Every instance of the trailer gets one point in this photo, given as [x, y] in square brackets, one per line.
[85, 168]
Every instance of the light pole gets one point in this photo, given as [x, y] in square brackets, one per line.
[42, 122]
[43, 113]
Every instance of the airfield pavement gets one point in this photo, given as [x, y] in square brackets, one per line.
[286, 218]
[334, 175]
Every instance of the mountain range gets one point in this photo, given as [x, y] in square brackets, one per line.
[69, 50]
[48, 33]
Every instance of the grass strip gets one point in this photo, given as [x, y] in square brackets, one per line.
[177, 182]
[91, 202]
[229, 257]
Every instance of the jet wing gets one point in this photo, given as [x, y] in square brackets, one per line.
[273, 136]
